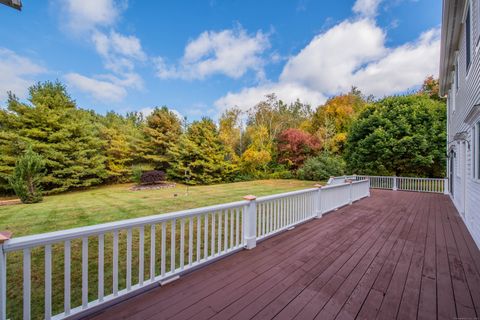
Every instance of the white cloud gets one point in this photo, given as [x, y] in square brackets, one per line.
[328, 61]
[228, 52]
[119, 52]
[16, 73]
[403, 68]
[116, 43]
[84, 15]
[99, 89]
[351, 53]
[288, 92]
[366, 8]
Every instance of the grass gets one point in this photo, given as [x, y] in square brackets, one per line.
[106, 204]
[117, 202]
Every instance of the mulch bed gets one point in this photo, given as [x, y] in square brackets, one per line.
[9, 202]
[153, 186]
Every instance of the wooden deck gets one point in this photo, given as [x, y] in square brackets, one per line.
[394, 255]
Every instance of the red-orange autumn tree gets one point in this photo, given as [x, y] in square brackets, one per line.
[295, 146]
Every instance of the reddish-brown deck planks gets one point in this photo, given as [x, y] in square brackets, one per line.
[394, 255]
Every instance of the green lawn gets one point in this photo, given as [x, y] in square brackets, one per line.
[117, 202]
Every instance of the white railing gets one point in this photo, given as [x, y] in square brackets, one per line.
[434, 185]
[80, 269]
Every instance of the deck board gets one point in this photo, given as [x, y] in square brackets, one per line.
[394, 255]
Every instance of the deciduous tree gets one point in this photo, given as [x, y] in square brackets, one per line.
[403, 135]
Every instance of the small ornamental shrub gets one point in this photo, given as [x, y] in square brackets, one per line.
[25, 179]
[153, 177]
[322, 167]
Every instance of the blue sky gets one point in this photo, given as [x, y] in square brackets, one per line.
[200, 57]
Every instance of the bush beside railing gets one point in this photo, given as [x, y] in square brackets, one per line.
[116, 259]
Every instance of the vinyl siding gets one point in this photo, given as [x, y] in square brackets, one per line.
[465, 98]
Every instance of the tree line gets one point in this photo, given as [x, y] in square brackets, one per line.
[402, 135]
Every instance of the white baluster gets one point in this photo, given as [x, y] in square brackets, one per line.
[84, 272]
[26, 284]
[66, 294]
[115, 263]
[163, 249]
[141, 255]
[48, 281]
[129, 259]
[182, 244]
[152, 253]
[101, 248]
[172, 246]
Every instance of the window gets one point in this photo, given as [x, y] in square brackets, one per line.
[468, 31]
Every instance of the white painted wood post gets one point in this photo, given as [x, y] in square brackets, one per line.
[369, 186]
[250, 222]
[318, 201]
[4, 236]
[350, 191]
[394, 183]
[445, 186]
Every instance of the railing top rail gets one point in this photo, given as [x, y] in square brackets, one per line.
[400, 177]
[331, 186]
[285, 194]
[75, 233]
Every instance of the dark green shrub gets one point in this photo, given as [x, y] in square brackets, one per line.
[322, 167]
[25, 179]
[153, 177]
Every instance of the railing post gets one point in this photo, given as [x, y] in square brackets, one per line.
[445, 186]
[369, 187]
[251, 222]
[318, 201]
[4, 236]
[394, 183]
[350, 191]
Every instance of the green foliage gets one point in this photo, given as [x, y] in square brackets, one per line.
[162, 129]
[138, 170]
[403, 135]
[199, 157]
[67, 138]
[322, 167]
[398, 135]
[26, 177]
[331, 121]
[123, 145]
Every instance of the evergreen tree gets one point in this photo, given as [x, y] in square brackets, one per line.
[162, 129]
[66, 137]
[116, 132]
[198, 157]
[25, 180]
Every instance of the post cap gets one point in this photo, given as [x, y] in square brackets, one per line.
[4, 236]
[318, 185]
[250, 197]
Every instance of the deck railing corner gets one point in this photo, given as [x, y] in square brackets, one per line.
[250, 222]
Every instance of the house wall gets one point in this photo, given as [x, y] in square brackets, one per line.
[466, 193]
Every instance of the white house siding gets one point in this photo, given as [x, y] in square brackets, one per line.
[465, 98]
